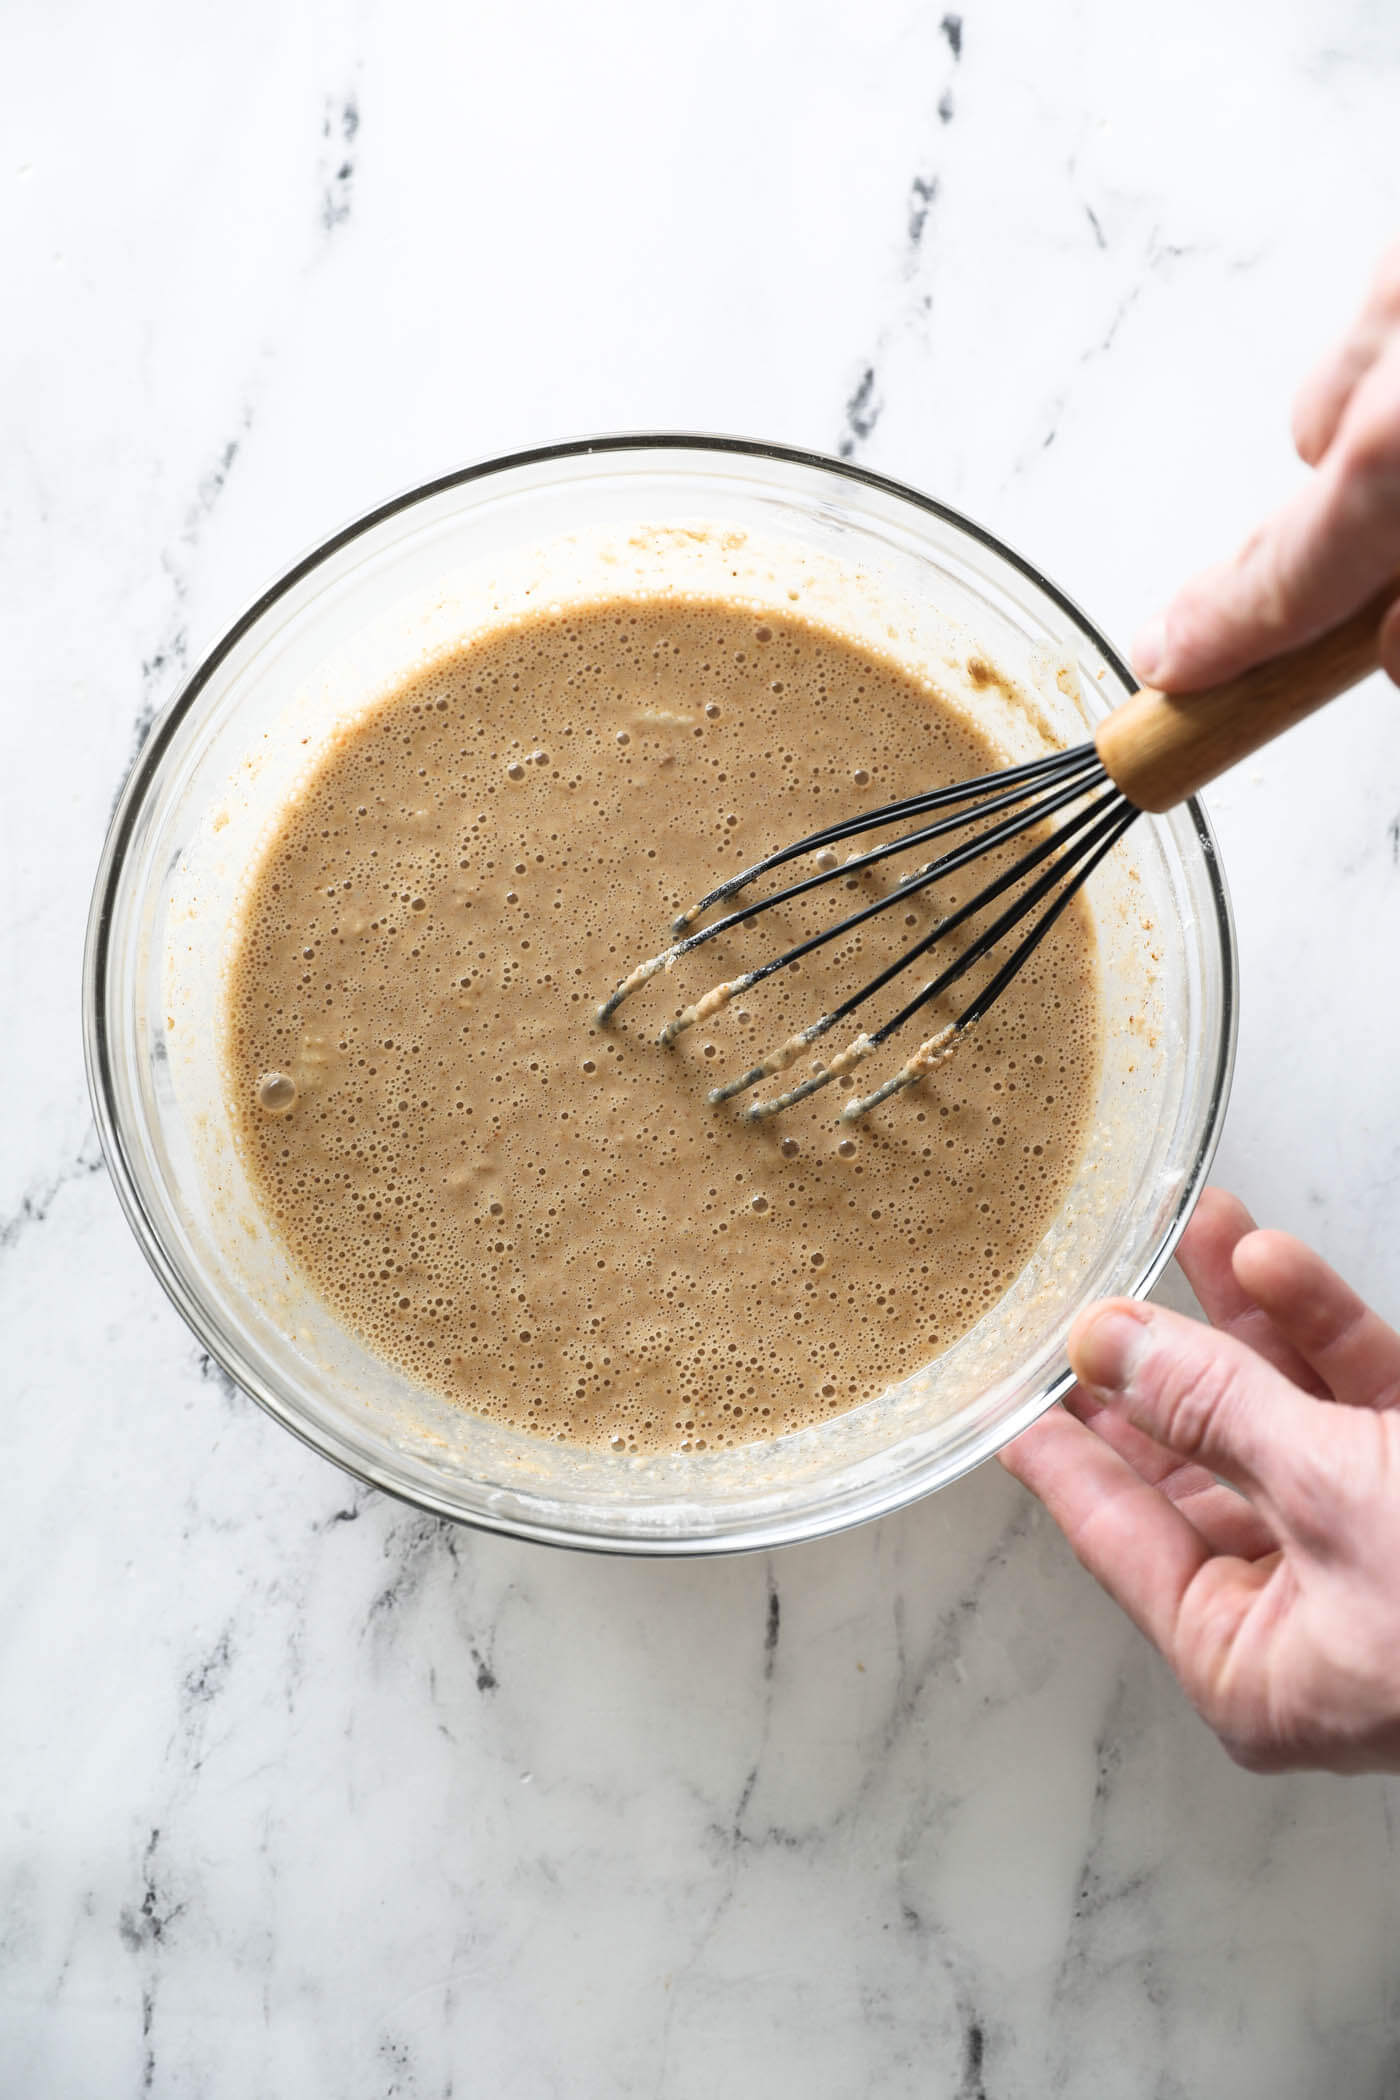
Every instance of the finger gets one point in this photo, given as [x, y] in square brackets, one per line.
[1390, 645]
[1216, 1225]
[1206, 1254]
[1223, 1677]
[1326, 394]
[1348, 1345]
[1317, 561]
[1204, 1394]
[1129, 1537]
[1324, 555]
[1226, 1520]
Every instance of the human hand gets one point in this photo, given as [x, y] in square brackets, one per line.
[1278, 1606]
[1331, 548]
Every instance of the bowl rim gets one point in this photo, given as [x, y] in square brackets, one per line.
[141, 777]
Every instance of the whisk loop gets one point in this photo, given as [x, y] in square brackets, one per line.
[1002, 806]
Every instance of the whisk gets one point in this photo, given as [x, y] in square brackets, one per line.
[1151, 753]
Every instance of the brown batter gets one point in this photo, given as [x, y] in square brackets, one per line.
[542, 1217]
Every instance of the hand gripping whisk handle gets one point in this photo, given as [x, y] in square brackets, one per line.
[1158, 748]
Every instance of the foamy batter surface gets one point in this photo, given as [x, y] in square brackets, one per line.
[543, 1218]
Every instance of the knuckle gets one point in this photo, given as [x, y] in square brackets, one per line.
[1214, 607]
[1278, 600]
[1266, 586]
[1326, 1474]
[1370, 441]
[1258, 1754]
[1304, 424]
[1241, 1724]
[1390, 663]
[1385, 286]
[1371, 454]
[1227, 1690]
[1198, 1400]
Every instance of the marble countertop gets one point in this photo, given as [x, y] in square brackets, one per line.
[302, 1793]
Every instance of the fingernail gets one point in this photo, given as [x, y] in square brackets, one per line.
[1109, 1347]
[1150, 649]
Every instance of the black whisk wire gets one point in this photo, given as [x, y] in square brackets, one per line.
[1032, 794]
[1113, 821]
[1106, 833]
[921, 879]
[1078, 770]
[1100, 842]
[988, 895]
[1058, 765]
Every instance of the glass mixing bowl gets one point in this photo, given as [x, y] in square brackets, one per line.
[775, 528]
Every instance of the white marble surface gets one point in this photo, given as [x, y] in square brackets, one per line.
[299, 1793]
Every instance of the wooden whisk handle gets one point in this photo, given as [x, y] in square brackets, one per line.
[1161, 747]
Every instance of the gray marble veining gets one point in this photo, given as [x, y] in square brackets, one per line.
[301, 1792]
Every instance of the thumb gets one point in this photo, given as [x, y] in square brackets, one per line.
[1200, 1392]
